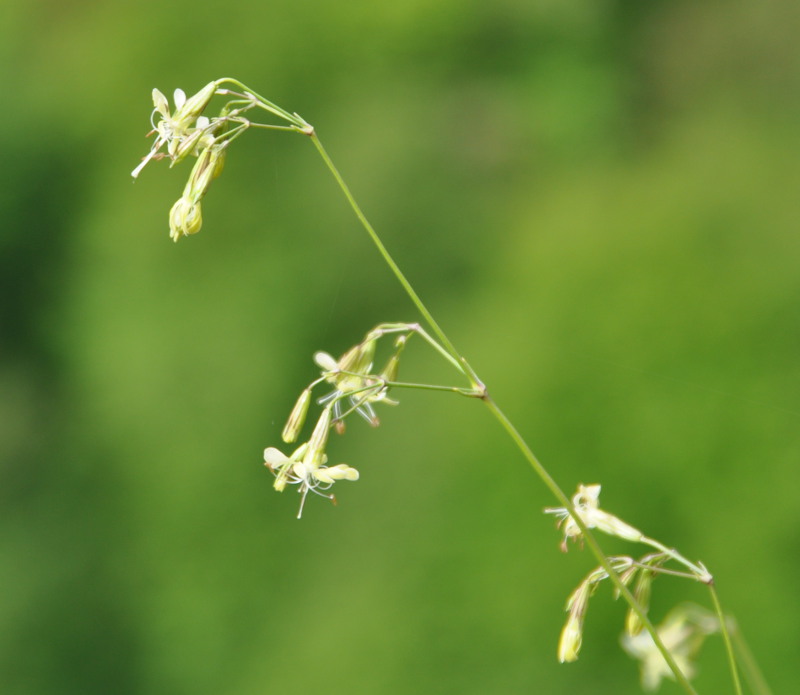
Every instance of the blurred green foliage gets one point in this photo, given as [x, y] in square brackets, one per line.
[597, 199]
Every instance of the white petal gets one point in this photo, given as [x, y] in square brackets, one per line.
[273, 457]
[160, 102]
[326, 362]
[180, 98]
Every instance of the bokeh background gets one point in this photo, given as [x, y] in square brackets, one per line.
[597, 198]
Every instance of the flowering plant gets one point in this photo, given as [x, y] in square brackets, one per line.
[666, 650]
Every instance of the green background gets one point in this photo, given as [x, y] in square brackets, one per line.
[597, 199]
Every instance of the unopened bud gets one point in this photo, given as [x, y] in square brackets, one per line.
[315, 453]
[185, 218]
[207, 167]
[641, 592]
[297, 418]
[389, 372]
[571, 638]
[366, 356]
[189, 109]
[572, 634]
[349, 361]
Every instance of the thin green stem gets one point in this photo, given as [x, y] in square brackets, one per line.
[263, 103]
[700, 573]
[390, 328]
[723, 625]
[415, 298]
[433, 387]
[752, 673]
[269, 126]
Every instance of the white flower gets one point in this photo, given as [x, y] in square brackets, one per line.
[300, 469]
[182, 131]
[682, 633]
[586, 503]
[353, 382]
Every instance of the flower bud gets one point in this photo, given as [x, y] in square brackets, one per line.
[297, 418]
[189, 109]
[641, 592]
[205, 170]
[571, 638]
[389, 372]
[315, 453]
[572, 634]
[184, 218]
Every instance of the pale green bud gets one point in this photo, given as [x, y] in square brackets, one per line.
[389, 372]
[297, 418]
[185, 218]
[571, 638]
[349, 361]
[367, 356]
[187, 110]
[572, 634]
[641, 592]
[315, 453]
[199, 137]
[359, 358]
[207, 167]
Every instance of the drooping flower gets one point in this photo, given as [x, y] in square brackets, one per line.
[306, 466]
[682, 633]
[586, 503]
[182, 131]
[353, 382]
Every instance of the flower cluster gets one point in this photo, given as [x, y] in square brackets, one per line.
[353, 382]
[682, 631]
[356, 389]
[185, 132]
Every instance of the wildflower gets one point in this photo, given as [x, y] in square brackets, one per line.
[182, 131]
[586, 503]
[352, 380]
[306, 466]
[682, 633]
